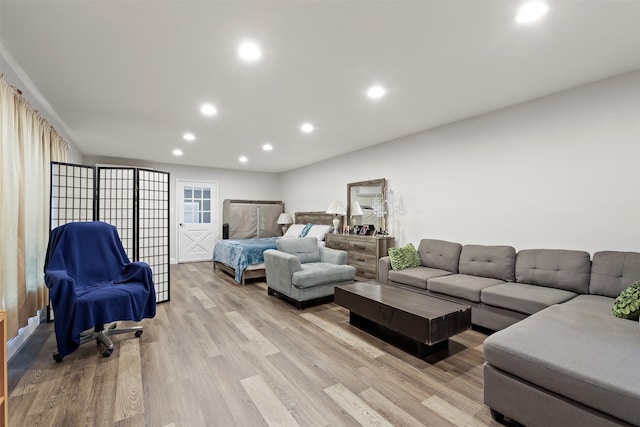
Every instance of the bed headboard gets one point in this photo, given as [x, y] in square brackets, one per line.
[318, 217]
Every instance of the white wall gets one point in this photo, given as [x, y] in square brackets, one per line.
[556, 172]
[232, 184]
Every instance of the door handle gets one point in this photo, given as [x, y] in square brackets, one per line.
[181, 225]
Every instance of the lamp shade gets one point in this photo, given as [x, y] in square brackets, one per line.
[356, 209]
[336, 207]
[285, 218]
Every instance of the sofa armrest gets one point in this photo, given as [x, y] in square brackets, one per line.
[333, 256]
[384, 265]
[279, 267]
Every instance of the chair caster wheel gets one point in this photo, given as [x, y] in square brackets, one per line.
[107, 352]
[57, 358]
[138, 334]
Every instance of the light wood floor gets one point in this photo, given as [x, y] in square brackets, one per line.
[219, 354]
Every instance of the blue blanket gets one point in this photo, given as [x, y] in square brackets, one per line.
[239, 254]
[91, 281]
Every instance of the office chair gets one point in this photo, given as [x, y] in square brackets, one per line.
[92, 283]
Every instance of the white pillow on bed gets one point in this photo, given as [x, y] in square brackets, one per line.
[319, 231]
[294, 230]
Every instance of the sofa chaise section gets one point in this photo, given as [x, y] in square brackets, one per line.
[571, 363]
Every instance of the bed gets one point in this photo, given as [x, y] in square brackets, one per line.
[243, 258]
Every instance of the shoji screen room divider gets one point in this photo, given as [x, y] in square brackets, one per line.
[135, 200]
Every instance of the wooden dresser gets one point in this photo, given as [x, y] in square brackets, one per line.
[364, 251]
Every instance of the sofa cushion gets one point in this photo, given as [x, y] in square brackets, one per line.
[461, 286]
[523, 298]
[321, 273]
[404, 257]
[590, 357]
[627, 304]
[305, 248]
[440, 254]
[554, 268]
[416, 276]
[612, 272]
[591, 303]
[497, 262]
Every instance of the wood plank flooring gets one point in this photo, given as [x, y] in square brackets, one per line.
[219, 354]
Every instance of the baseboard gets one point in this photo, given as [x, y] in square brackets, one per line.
[16, 343]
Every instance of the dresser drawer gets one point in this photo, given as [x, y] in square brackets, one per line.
[337, 243]
[363, 246]
[362, 258]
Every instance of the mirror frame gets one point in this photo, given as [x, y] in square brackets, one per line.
[373, 182]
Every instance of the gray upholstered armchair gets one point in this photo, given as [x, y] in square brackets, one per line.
[303, 272]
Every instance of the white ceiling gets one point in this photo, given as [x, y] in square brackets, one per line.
[127, 78]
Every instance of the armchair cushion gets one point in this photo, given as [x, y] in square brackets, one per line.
[305, 248]
[333, 256]
[321, 273]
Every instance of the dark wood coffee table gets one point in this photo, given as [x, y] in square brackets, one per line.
[413, 321]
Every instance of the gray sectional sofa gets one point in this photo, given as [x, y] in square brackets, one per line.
[559, 356]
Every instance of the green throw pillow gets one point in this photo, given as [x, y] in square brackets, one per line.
[404, 257]
[627, 305]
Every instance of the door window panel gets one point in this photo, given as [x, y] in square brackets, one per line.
[197, 205]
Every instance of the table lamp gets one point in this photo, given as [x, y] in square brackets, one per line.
[337, 208]
[356, 210]
[284, 219]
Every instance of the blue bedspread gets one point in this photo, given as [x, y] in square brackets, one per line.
[239, 254]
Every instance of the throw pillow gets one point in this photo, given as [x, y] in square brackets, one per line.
[627, 304]
[404, 257]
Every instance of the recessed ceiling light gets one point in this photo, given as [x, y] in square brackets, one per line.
[189, 136]
[531, 12]
[242, 159]
[307, 128]
[249, 51]
[376, 92]
[208, 110]
[177, 152]
[267, 147]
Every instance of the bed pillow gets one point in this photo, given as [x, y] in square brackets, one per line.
[294, 230]
[319, 231]
[305, 230]
[404, 257]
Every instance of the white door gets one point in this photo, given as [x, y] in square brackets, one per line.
[197, 220]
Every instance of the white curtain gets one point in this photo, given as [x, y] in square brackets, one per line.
[27, 146]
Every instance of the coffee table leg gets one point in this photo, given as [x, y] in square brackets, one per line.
[425, 350]
[412, 346]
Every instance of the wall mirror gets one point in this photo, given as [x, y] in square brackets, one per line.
[366, 204]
